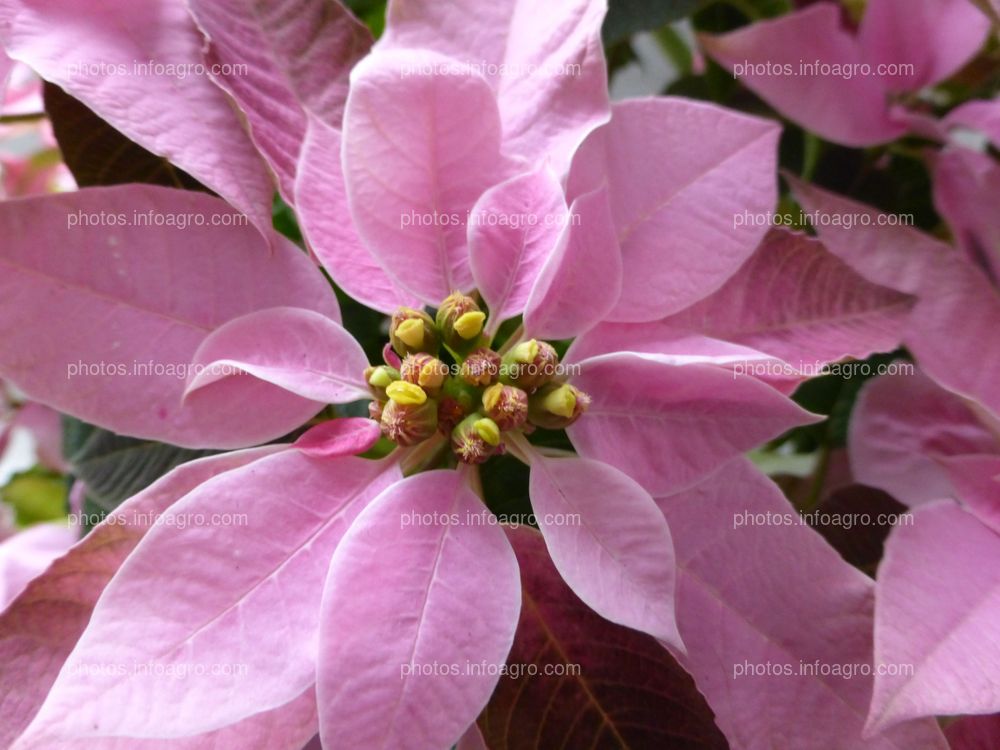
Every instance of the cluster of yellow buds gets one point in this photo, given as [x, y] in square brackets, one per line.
[478, 398]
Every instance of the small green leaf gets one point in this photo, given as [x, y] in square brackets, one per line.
[36, 495]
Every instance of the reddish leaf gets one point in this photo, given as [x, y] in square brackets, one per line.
[97, 154]
[855, 520]
[629, 693]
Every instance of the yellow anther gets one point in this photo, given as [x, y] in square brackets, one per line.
[411, 332]
[561, 401]
[491, 396]
[525, 352]
[487, 429]
[432, 374]
[406, 394]
[470, 324]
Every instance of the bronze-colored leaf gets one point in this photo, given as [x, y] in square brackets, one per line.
[97, 154]
[617, 688]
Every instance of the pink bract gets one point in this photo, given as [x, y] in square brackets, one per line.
[301, 589]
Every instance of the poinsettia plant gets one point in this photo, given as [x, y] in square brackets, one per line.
[421, 390]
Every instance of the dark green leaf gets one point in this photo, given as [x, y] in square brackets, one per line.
[505, 487]
[372, 12]
[284, 220]
[114, 467]
[627, 17]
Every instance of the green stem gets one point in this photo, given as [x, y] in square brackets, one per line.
[819, 481]
[18, 119]
[423, 455]
[812, 148]
[744, 7]
[512, 340]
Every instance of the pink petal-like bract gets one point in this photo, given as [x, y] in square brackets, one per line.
[299, 350]
[966, 190]
[665, 160]
[421, 144]
[769, 58]
[279, 60]
[102, 311]
[580, 281]
[936, 613]
[44, 623]
[935, 37]
[817, 310]
[954, 336]
[668, 425]
[284, 728]
[901, 428]
[544, 61]
[28, 553]
[884, 251]
[745, 586]
[952, 320]
[339, 437]
[516, 226]
[979, 115]
[139, 66]
[419, 612]
[237, 561]
[609, 542]
[976, 480]
[328, 227]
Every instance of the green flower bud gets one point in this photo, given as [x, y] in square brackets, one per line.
[379, 378]
[413, 331]
[529, 365]
[409, 423]
[461, 322]
[506, 405]
[481, 367]
[475, 439]
[557, 405]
